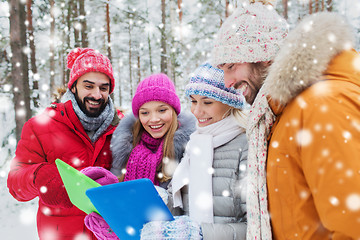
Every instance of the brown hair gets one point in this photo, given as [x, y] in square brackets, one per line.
[168, 147]
[260, 69]
[60, 91]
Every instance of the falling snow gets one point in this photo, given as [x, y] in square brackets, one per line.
[304, 137]
[353, 202]
[18, 219]
[334, 201]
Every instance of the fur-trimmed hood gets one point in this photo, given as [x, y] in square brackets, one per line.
[122, 139]
[306, 54]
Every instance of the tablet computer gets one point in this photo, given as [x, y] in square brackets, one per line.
[76, 184]
[127, 206]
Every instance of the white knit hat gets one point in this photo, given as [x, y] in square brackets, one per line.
[253, 33]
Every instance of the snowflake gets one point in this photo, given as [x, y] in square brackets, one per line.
[356, 63]
[334, 201]
[203, 200]
[304, 137]
[27, 216]
[353, 202]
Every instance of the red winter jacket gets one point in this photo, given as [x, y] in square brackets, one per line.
[56, 133]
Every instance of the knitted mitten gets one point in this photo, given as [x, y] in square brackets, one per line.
[95, 223]
[181, 228]
[51, 188]
[100, 175]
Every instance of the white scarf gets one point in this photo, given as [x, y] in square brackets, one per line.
[260, 120]
[196, 169]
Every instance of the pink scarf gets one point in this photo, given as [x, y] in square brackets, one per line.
[145, 158]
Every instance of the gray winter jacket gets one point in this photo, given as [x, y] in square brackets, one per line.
[122, 140]
[229, 192]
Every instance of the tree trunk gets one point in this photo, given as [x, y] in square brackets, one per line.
[30, 30]
[68, 43]
[139, 68]
[226, 8]
[120, 84]
[84, 37]
[150, 55]
[108, 31]
[19, 62]
[329, 5]
[130, 63]
[52, 48]
[316, 6]
[176, 46]
[64, 38]
[285, 6]
[163, 61]
[149, 41]
[180, 10]
[68, 23]
[75, 15]
[310, 7]
[235, 4]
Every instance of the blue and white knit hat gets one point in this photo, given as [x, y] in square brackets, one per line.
[209, 81]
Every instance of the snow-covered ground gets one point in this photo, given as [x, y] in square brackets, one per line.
[17, 219]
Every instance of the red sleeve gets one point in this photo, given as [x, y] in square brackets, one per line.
[29, 156]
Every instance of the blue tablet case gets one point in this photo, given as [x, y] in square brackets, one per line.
[127, 206]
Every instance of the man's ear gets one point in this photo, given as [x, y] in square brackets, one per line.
[73, 87]
[268, 63]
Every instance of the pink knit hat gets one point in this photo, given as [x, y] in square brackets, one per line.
[84, 60]
[156, 87]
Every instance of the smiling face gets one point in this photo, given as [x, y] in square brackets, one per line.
[156, 118]
[91, 91]
[207, 110]
[242, 76]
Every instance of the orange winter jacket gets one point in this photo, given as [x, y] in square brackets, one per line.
[313, 166]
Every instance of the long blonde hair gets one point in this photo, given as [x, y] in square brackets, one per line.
[240, 116]
[168, 147]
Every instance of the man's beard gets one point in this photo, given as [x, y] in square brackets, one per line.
[82, 105]
[257, 83]
[253, 85]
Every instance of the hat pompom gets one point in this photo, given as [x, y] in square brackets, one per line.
[74, 54]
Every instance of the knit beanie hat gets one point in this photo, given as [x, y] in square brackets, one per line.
[84, 60]
[156, 87]
[208, 81]
[253, 33]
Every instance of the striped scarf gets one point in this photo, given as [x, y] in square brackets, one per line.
[96, 124]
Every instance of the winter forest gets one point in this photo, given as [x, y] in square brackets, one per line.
[140, 37]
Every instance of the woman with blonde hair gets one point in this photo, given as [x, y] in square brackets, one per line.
[209, 185]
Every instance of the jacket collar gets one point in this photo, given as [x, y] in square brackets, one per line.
[315, 46]
[64, 112]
